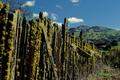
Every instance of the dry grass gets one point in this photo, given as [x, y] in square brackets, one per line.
[105, 73]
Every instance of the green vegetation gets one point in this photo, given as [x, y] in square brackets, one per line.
[103, 38]
[101, 35]
[117, 46]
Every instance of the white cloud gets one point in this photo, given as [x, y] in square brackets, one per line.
[35, 15]
[29, 3]
[75, 20]
[54, 16]
[75, 1]
[59, 7]
[45, 13]
[59, 23]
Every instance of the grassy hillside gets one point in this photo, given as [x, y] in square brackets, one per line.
[102, 37]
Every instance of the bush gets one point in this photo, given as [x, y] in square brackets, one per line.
[113, 58]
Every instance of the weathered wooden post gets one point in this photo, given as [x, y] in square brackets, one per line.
[17, 50]
[64, 45]
[9, 44]
[81, 39]
[13, 61]
[34, 49]
[4, 8]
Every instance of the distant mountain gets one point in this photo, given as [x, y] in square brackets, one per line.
[100, 36]
[86, 28]
[99, 29]
[79, 28]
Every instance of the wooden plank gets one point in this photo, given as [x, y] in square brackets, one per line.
[49, 50]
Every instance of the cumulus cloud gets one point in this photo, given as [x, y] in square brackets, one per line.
[45, 13]
[36, 15]
[59, 7]
[59, 23]
[54, 16]
[75, 20]
[75, 1]
[29, 3]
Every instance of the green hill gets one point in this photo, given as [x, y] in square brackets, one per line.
[102, 37]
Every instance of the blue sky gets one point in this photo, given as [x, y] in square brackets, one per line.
[88, 12]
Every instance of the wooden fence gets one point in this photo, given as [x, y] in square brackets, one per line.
[40, 50]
